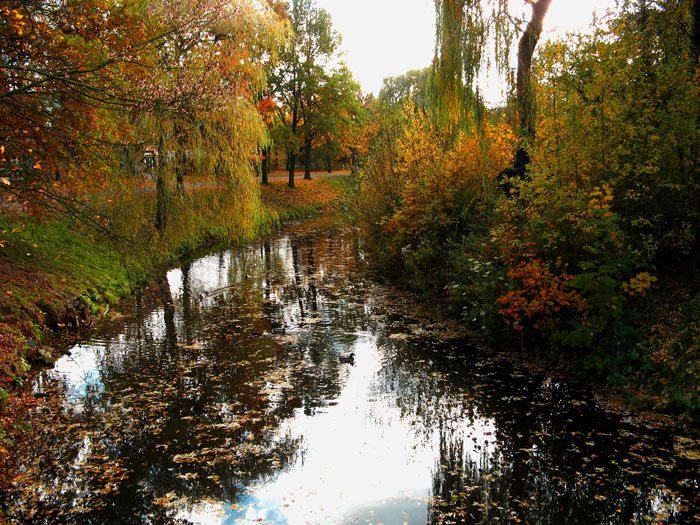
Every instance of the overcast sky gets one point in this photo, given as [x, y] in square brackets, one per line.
[384, 38]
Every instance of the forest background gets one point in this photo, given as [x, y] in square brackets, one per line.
[563, 225]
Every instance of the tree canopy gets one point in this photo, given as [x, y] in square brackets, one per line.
[603, 128]
[301, 72]
[85, 83]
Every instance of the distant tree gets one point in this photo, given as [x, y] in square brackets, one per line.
[329, 115]
[296, 80]
[411, 85]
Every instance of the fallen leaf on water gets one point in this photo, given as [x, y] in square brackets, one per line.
[687, 448]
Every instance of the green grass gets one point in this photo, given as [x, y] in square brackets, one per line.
[50, 261]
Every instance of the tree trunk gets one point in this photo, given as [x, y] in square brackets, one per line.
[161, 202]
[524, 93]
[265, 167]
[161, 191]
[329, 168]
[292, 154]
[291, 162]
[307, 158]
[180, 170]
[257, 165]
[180, 165]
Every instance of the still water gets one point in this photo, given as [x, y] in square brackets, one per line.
[218, 397]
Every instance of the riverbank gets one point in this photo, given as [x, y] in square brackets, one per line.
[58, 274]
[655, 379]
[217, 394]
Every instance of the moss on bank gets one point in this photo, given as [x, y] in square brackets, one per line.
[672, 382]
[57, 274]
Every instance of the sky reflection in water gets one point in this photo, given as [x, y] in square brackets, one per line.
[218, 397]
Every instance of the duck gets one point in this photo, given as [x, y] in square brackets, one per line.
[347, 358]
[279, 330]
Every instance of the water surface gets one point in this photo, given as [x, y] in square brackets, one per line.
[218, 396]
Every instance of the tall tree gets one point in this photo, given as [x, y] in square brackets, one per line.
[302, 64]
[464, 29]
[525, 98]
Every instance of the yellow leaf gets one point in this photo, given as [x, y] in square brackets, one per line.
[37, 166]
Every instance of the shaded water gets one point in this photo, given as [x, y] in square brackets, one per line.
[218, 396]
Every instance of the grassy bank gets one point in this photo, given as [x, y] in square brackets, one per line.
[57, 274]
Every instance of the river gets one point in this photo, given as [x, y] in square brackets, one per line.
[217, 396]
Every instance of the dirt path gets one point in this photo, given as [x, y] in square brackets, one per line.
[281, 175]
[148, 186]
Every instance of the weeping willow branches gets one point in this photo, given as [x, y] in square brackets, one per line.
[465, 29]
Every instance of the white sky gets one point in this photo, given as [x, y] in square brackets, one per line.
[383, 38]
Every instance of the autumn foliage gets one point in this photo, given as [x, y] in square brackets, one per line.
[421, 184]
[538, 296]
[93, 90]
[101, 99]
[567, 258]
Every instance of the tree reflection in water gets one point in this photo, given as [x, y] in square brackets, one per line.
[218, 397]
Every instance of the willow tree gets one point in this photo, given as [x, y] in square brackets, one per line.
[89, 86]
[465, 28]
[198, 110]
